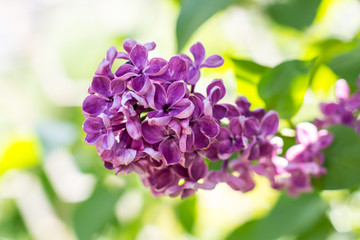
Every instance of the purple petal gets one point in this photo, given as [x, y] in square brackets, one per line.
[156, 67]
[198, 51]
[342, 90]
[175, 92]
[235, 126]
[158, 118]
[94, 105]
[104, 69]
[133, 127]
[178, 68]
[139, 56]
[126, 69]
[159, 97]
[232, 111]
[182, 109]
[92, 138]
[101, 85]
[213, 61]
[151, 133]
[251, 126]
[128, 44]
[235, 183]
[270, 123]
[219, 111]
[226, 149]
[198, 106]
[200, 140]
[139, 83]
[193, 76]
[243, 104]
[329, 108]
[94, 125]
[216, 90]
[108, 140]
[198, 168]
[294, 152]
[117, 86]
[150, 46]
[124, 157]
[208, 127]
[111, 54]
[122, 55]
[254, 151]
[325, 138]
[306, 133]
[170, 150]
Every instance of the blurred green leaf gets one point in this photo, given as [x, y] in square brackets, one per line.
[289, 216]
[347, 65]
[185, 212]
[248, 75]
[320, 230]
[283, 87]
[93, 215]
[194, 13]
[342, 160]
[298, 14]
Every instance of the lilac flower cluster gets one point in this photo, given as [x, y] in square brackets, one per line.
[145, 117]
[344, 111]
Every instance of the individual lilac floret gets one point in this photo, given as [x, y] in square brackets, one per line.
[305, 158]
[342, 111]
[198, 52]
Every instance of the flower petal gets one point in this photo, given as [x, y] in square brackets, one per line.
[133, 127]
[198, 51]
[198, 168]
[175, 92]
[342, 90]
[306, 133]
[128, 44]
[170, 150]
[198, 106]
[178, 68]
[182, 109]
[251, 126]
[213, 61]
[159, 97]
[117, 86]
[152, 133]
[156, 67]
[139, 56]
[200, 140]
[216, 90]
[270, 123]
[150, 46]
[208, 126]
[101, 85]
[94, 105]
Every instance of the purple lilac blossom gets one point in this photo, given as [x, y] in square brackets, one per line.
[147, 118]
[344, 110]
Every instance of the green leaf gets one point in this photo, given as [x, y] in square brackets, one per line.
[320, 230]
[93, 215]
[194, 13]
[283, 87]
[297, 14]
[185, 212]
[289, 216]
[248, 75]
[342, 160]
[347, 65]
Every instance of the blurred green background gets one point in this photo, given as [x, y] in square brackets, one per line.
[54, 186]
